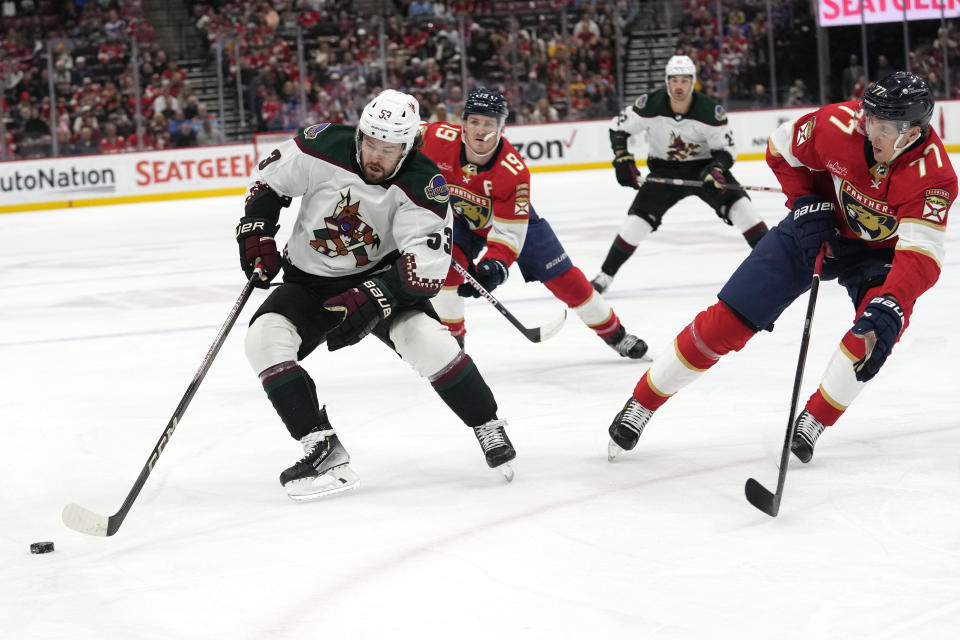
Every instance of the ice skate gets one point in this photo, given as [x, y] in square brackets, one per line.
[626, 428]
[496, 446]
[627, 344]
[805, 435]
[601, 282]
[323, 471]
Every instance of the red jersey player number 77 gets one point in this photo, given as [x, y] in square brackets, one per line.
[873, 182]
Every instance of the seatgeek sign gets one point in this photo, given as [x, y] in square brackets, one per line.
[125, 177]
[835, 13]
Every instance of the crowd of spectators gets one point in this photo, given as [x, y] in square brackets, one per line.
[733, 52]
[554, 59]
[94, 91]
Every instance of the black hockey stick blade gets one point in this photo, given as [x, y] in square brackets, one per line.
[533, 334]
[761, 498]
[85, 521]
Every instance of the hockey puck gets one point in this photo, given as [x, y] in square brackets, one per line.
[41, 547]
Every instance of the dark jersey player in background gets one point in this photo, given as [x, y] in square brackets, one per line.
[689, 138]
[873, 183]
[490, 196]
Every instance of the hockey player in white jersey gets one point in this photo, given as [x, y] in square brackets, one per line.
[688, 138]
[370, 246]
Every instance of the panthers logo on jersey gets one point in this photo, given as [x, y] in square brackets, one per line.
[473, 209]
[869, 218]
[345, 232]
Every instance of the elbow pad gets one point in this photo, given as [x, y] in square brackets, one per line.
[263, 202]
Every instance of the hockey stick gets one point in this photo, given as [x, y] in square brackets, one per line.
[696, 183]
[758, 495]
[536, 334]
[94, 524]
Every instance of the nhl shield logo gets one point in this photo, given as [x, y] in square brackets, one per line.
[345, 232]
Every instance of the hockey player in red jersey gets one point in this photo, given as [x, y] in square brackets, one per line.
[490, 195]
[872, 182]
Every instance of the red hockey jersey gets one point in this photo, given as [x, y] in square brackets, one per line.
[903, 205]
[493, 199]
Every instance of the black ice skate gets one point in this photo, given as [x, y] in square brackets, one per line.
[601, 282]
[627, 344]
[496, 446]
[324, 470]
[626, 428]
[805, 435]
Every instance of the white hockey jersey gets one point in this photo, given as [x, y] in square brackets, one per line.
[346, 226]
[695, 135]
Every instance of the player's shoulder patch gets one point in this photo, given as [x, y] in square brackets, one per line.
[719, 113]
[437, 189]
[936, 202]
[311, 132]
[641, 102]
[805, 131]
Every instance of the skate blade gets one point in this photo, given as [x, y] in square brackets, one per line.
[613, 450]
[337, 480]
[507, 471]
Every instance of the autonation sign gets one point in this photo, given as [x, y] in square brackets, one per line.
[833, 13]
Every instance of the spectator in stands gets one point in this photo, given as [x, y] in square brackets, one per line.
[80, 71]
[166, 103]
[849, 77]
[533, 90]
[798, 95]
[85, 144]
[420, 8]
[210, 133]
[111, 142]
[185, 136]
[761, 97]
[883, 68]
[544, 112]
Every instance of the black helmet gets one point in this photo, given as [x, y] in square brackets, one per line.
[486, 102]
[902, 97]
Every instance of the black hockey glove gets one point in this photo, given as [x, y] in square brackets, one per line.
[363, 308]
[625, 166]
[713, 176]
[811, 224]
[258, 249]
[882, 317]
[490, 273]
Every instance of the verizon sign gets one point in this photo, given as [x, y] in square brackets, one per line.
[833, 13]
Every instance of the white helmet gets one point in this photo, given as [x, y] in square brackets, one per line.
[392, 116]
[681, 66]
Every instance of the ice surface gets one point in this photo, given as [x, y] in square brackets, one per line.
[108, 312]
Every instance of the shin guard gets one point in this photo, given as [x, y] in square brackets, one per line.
[464, 390]
[294, 396]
